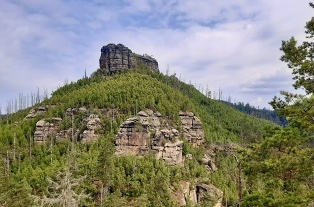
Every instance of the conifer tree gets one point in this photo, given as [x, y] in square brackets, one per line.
[280, 168]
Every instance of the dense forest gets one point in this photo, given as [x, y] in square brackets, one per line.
[270, 115]
[32, 170]
[242, 161]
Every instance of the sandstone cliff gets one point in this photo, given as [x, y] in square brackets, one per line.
[118, 58]
[150, 133]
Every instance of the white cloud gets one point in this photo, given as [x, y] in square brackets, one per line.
[230, 45]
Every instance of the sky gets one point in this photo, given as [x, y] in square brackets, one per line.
[231, 46]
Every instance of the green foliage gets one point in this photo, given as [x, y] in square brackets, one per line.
[270, 115]
[128, 180]
[280, 168]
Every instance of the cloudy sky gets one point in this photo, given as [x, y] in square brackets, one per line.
[228, 45]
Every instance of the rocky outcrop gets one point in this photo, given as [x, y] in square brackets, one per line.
[209, 162]
[185, 193]
[197, 194]
[119, 58]
[170, 152]
[86, 132]
[88, 135]
[44, 129]
[34, 112]
[144, 133]
[209, 192]
[192, 128]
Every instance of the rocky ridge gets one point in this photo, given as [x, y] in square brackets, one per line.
[119, 58]
[148, 132]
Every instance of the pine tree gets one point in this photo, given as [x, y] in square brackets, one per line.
[280, 168]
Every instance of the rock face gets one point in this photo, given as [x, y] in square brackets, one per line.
[197, 194]
[144, 133]
[118, 58]
[44, 129]
[186, 193]
[93, 122]
[34, 112]
[192, 128]
[211, 192]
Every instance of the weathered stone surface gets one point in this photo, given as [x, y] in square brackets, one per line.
[143, 134]
[44, 129]
[209, 162]
[93, 122]
[31, 114]
[34, 112]
[82, 109]
[209, 191]
[170, 152]
[118, 58]
[192, 128]
[186, 193]
[197, 194]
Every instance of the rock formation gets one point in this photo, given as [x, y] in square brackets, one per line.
[144, 133]
[209, 192]
[185, 193]
[148, 132]
[93, 122]
[197, 194]
[86, 132]
[192, 128]
[44, 129]
[34, 112]
[119, 58]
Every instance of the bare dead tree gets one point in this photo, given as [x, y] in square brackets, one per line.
[63, 191]
[30, 147]
[37, 96]
[239, 180]
[14, 140]
[8, 164]
[8, 110]
[0, 114]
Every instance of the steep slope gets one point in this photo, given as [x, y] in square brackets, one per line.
[267, 114]
[100, 105]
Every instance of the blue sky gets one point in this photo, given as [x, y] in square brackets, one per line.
[228, 45]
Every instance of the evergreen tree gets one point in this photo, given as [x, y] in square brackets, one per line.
[280, 168]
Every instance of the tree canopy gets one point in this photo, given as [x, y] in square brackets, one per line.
[280, 168]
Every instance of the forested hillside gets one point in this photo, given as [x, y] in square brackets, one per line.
[270, 115]
[141, 138]
[35, 173]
